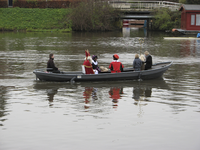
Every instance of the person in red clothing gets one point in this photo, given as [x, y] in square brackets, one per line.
[88, 63]
[116, 66]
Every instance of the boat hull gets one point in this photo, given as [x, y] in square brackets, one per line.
[156, 72]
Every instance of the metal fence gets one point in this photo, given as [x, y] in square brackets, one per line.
[143, 5]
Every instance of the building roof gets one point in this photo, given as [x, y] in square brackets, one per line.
[190, 7]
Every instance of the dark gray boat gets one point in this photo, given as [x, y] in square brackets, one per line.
[156, 71]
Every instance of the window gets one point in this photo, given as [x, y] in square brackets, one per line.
[192, 19]
[197, 19]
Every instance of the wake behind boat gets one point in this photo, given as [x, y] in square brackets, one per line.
[156, 71]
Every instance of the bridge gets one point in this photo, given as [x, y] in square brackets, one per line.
[140, 10]
[132, 5]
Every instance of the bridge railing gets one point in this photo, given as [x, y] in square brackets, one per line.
[143, 5]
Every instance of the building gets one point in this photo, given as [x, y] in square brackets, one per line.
[190, 17]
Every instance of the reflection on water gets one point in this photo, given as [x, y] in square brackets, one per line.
[51, 93]
[98, 97]
[97, 91]
[140, 93]
[198, 47]
[134, 32]
[3, 103]
[115, 94]
[190, 48]
[87, 94]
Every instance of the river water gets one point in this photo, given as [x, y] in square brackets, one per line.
[156, 114]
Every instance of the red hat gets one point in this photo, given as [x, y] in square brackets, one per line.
[87, 53]
[116, 56]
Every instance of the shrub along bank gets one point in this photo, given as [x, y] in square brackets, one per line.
[165, 19]
[34, 19]
[98, 16]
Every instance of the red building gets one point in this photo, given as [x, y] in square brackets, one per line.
[190, 17]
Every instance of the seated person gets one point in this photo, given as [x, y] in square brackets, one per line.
[143, 59]
[88, 63]
[148, 60]
[95, 64]
[51, 66]
[116, 66]
[137, 63]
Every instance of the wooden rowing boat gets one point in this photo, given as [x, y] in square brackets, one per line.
[128, 74]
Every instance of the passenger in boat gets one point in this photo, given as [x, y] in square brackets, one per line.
[143, 59]
[95, 64]
[116, 66]
[51, 66]
[88, 63]
[148, 60]
[137, 63]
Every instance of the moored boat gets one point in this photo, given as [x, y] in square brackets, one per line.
[156, 71]
[181, 38]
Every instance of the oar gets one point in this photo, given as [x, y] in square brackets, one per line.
[72, 79]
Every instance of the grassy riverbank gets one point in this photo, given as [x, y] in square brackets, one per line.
[34, 19]
[87, 16]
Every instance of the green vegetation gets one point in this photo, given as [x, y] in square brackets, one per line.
[34, 19]
[90, 16]
[182, 1]
[87, 16]
[165, 19]
[189, 1]
[48, 30]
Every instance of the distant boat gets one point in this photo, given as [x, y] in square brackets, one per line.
[181, 38]
[185, 32]
[156, 71]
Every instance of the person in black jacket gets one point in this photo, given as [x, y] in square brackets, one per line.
[51, 66]
[95, 64]
[148, 60]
